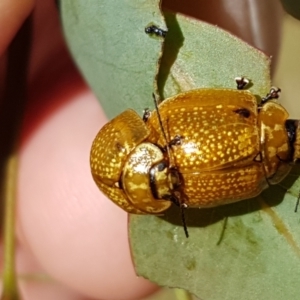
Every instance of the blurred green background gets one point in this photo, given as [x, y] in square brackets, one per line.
[287, 72]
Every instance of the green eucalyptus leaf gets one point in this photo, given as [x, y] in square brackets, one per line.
[292, 7]
[197, 54]
[110, 46]
[247, 250]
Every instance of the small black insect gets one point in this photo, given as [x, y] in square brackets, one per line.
[152, 29]
[241, 82]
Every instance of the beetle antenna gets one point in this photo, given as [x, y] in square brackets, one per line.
[161, 125]
[297, 204]
[183, 206]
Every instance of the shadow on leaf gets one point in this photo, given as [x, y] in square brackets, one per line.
[203, 217]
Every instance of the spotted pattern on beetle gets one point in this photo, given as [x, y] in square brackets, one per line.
[228, 150]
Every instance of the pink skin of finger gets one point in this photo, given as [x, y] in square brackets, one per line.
[71, 229]
[66, 229]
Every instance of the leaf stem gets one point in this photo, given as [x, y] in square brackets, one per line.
[181, 294]
[9, 274]
[11, 118]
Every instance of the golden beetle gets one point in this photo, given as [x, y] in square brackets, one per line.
[201, 148]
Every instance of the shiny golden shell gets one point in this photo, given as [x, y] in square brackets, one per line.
[109, 153]
[118, 196]
[214, 188]
[113, 143]
[136, 178]
[215, 133]
[227, 149]
[296, 156]
[274, 141]
[220, 141]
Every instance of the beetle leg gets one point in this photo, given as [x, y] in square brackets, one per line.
[241, 82]
[297, 203]
[183, 206]
[176, 140]
[146, 114]
[273, 94]
[268, 181]
[286, 161]
[259, 158]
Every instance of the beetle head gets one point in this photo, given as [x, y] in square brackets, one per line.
[293, 130]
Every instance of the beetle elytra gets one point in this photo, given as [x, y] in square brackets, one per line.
[202, 148]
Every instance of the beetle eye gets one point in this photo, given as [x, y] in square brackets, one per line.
[161, 166]
[293, 132]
